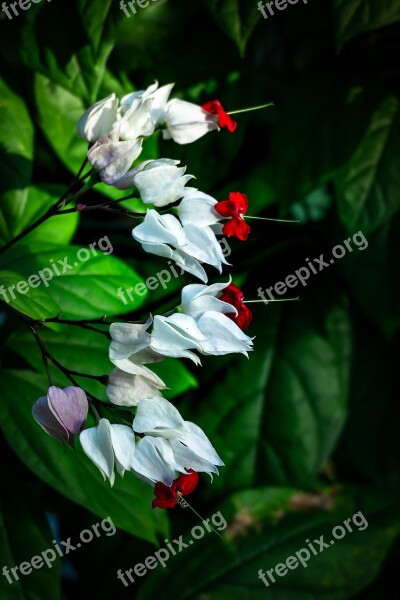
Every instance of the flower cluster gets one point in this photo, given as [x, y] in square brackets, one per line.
[160, 447]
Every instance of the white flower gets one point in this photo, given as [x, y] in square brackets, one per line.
[98, 120]
[112, 158]
[176, 335]
[198, 299]
[160, 98]
[187, 122]
[188, 246]
[212, 333]
[170, 443]
[131, 345]
[162, 182]
[198, 208]
[108, 445]
[132, 340]
[124, 389]
[134, 120]
[223, 336]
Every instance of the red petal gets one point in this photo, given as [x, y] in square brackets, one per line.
[240, 201]
[213, 106]
[236, 228]
[186, 484]
[244, 317]
[165, 496]
[234, 295]
[224, 120]
[225, 208]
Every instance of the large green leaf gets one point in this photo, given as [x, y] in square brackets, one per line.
[276, 417]
[59, 111]
[32, 206]
[82, 290]
[16, 152]
[34, 303]
[370, 444]
[353, 17]
[367, 185]
[237, 18]
[25, 534]
[75, 62]
[373, 276]
[335, 114]
[70, 472]
[264, 530]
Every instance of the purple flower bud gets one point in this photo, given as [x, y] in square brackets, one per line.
[62, 413]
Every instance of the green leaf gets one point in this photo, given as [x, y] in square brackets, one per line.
[75, 61]
[370, 444]
[16, 152]
[335, 115]
[276, 417]
[59, 111]
[35, 203]
[237, 18]
[353, 17]
[372, 276]
[34, 303]
[24, 534]
[70, 472]
[87, 284]
[96, 19]
[265, 529]
[367, 185]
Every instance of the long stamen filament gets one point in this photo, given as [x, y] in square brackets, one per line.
[244, 110]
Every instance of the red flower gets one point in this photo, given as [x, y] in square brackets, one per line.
[234, 295]
[234, 208]
[224, 120]
[167, 496]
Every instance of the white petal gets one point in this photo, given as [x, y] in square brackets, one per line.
[98, 120]
[136, 368]
[97, 445]
[156, 413]
[188, 122]
[150, 461]
[185, 459]
[123, 442]
[127, 339]
[223, 335]
[198, 442]
[159, 229]
[198, 209]
[124, 389]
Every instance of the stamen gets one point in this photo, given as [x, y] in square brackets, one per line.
[184, 504]
[243, 110]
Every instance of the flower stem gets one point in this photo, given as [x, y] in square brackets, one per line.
[275, 300]
[266, 219]
[185, 504]
[244, 110]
